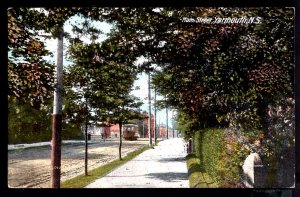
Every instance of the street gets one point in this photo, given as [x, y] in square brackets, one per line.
[30, 168]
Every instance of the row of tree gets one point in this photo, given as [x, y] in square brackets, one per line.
[94, 88]
[214, 74]
[220, 74]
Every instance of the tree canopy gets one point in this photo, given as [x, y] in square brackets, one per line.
[215, 72]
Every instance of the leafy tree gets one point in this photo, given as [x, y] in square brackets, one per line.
[30, 76]
[122, 110]
[216, 74]
[78, 103]
[51, 21]
[108, 79]
[218, 85]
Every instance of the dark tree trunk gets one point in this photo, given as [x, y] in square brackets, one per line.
[120, 145]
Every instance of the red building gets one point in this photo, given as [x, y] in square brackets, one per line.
[114, 130]
[162, 131]
[145, 126]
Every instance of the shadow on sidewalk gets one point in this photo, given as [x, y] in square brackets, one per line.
[173, 159]
[169, 176]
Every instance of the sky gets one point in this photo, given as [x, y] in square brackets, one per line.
[142, 80]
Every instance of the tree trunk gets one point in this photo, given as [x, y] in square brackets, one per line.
[86, 143]
[57, 117]
[120, 145]
[149, 119]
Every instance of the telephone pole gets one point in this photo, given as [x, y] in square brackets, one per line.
[155, 128]
[167, 118]
[149, 120]
[173, 124]
[57, 116]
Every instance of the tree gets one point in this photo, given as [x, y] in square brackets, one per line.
[110, 79]
[78, 78]
[211, 53]
[50, 20]
[217, 74]
[30, 76]
[123, 109]
[213, 73]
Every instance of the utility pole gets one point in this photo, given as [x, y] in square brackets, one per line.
[57, 116]
[149, 120]
[159, 127]
[167, 118]
[173, 123]
[143, 128]
[86, 138]
[155, 128]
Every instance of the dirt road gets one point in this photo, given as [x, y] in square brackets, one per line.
[30, 168]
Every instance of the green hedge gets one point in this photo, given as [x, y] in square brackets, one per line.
[24, 134]
[222, 158]
[43, 136]
[198, 178]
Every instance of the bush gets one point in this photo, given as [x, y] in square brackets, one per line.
[198, 178]
[220, 155]
[71, 132]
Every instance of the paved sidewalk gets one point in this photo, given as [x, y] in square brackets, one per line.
[161, 167]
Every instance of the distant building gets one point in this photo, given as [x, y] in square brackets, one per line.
[162, 131]
[99, 129]
[145, 121]
[112, 130]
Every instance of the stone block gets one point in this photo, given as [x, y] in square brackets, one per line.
[254, 172]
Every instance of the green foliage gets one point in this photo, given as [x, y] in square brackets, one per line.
[222, 157]
[72, 131]
[186, 125]
[28, 125]
[232, 72]
[198, 178]
[30, 77]
[278, 141]
[104, 85]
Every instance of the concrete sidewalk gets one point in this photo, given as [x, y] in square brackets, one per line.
[161, 167]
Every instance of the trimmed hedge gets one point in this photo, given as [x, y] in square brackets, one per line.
[221, 157]
[198, 178]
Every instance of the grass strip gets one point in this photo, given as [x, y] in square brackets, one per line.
[82, 180]
[198, 178]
